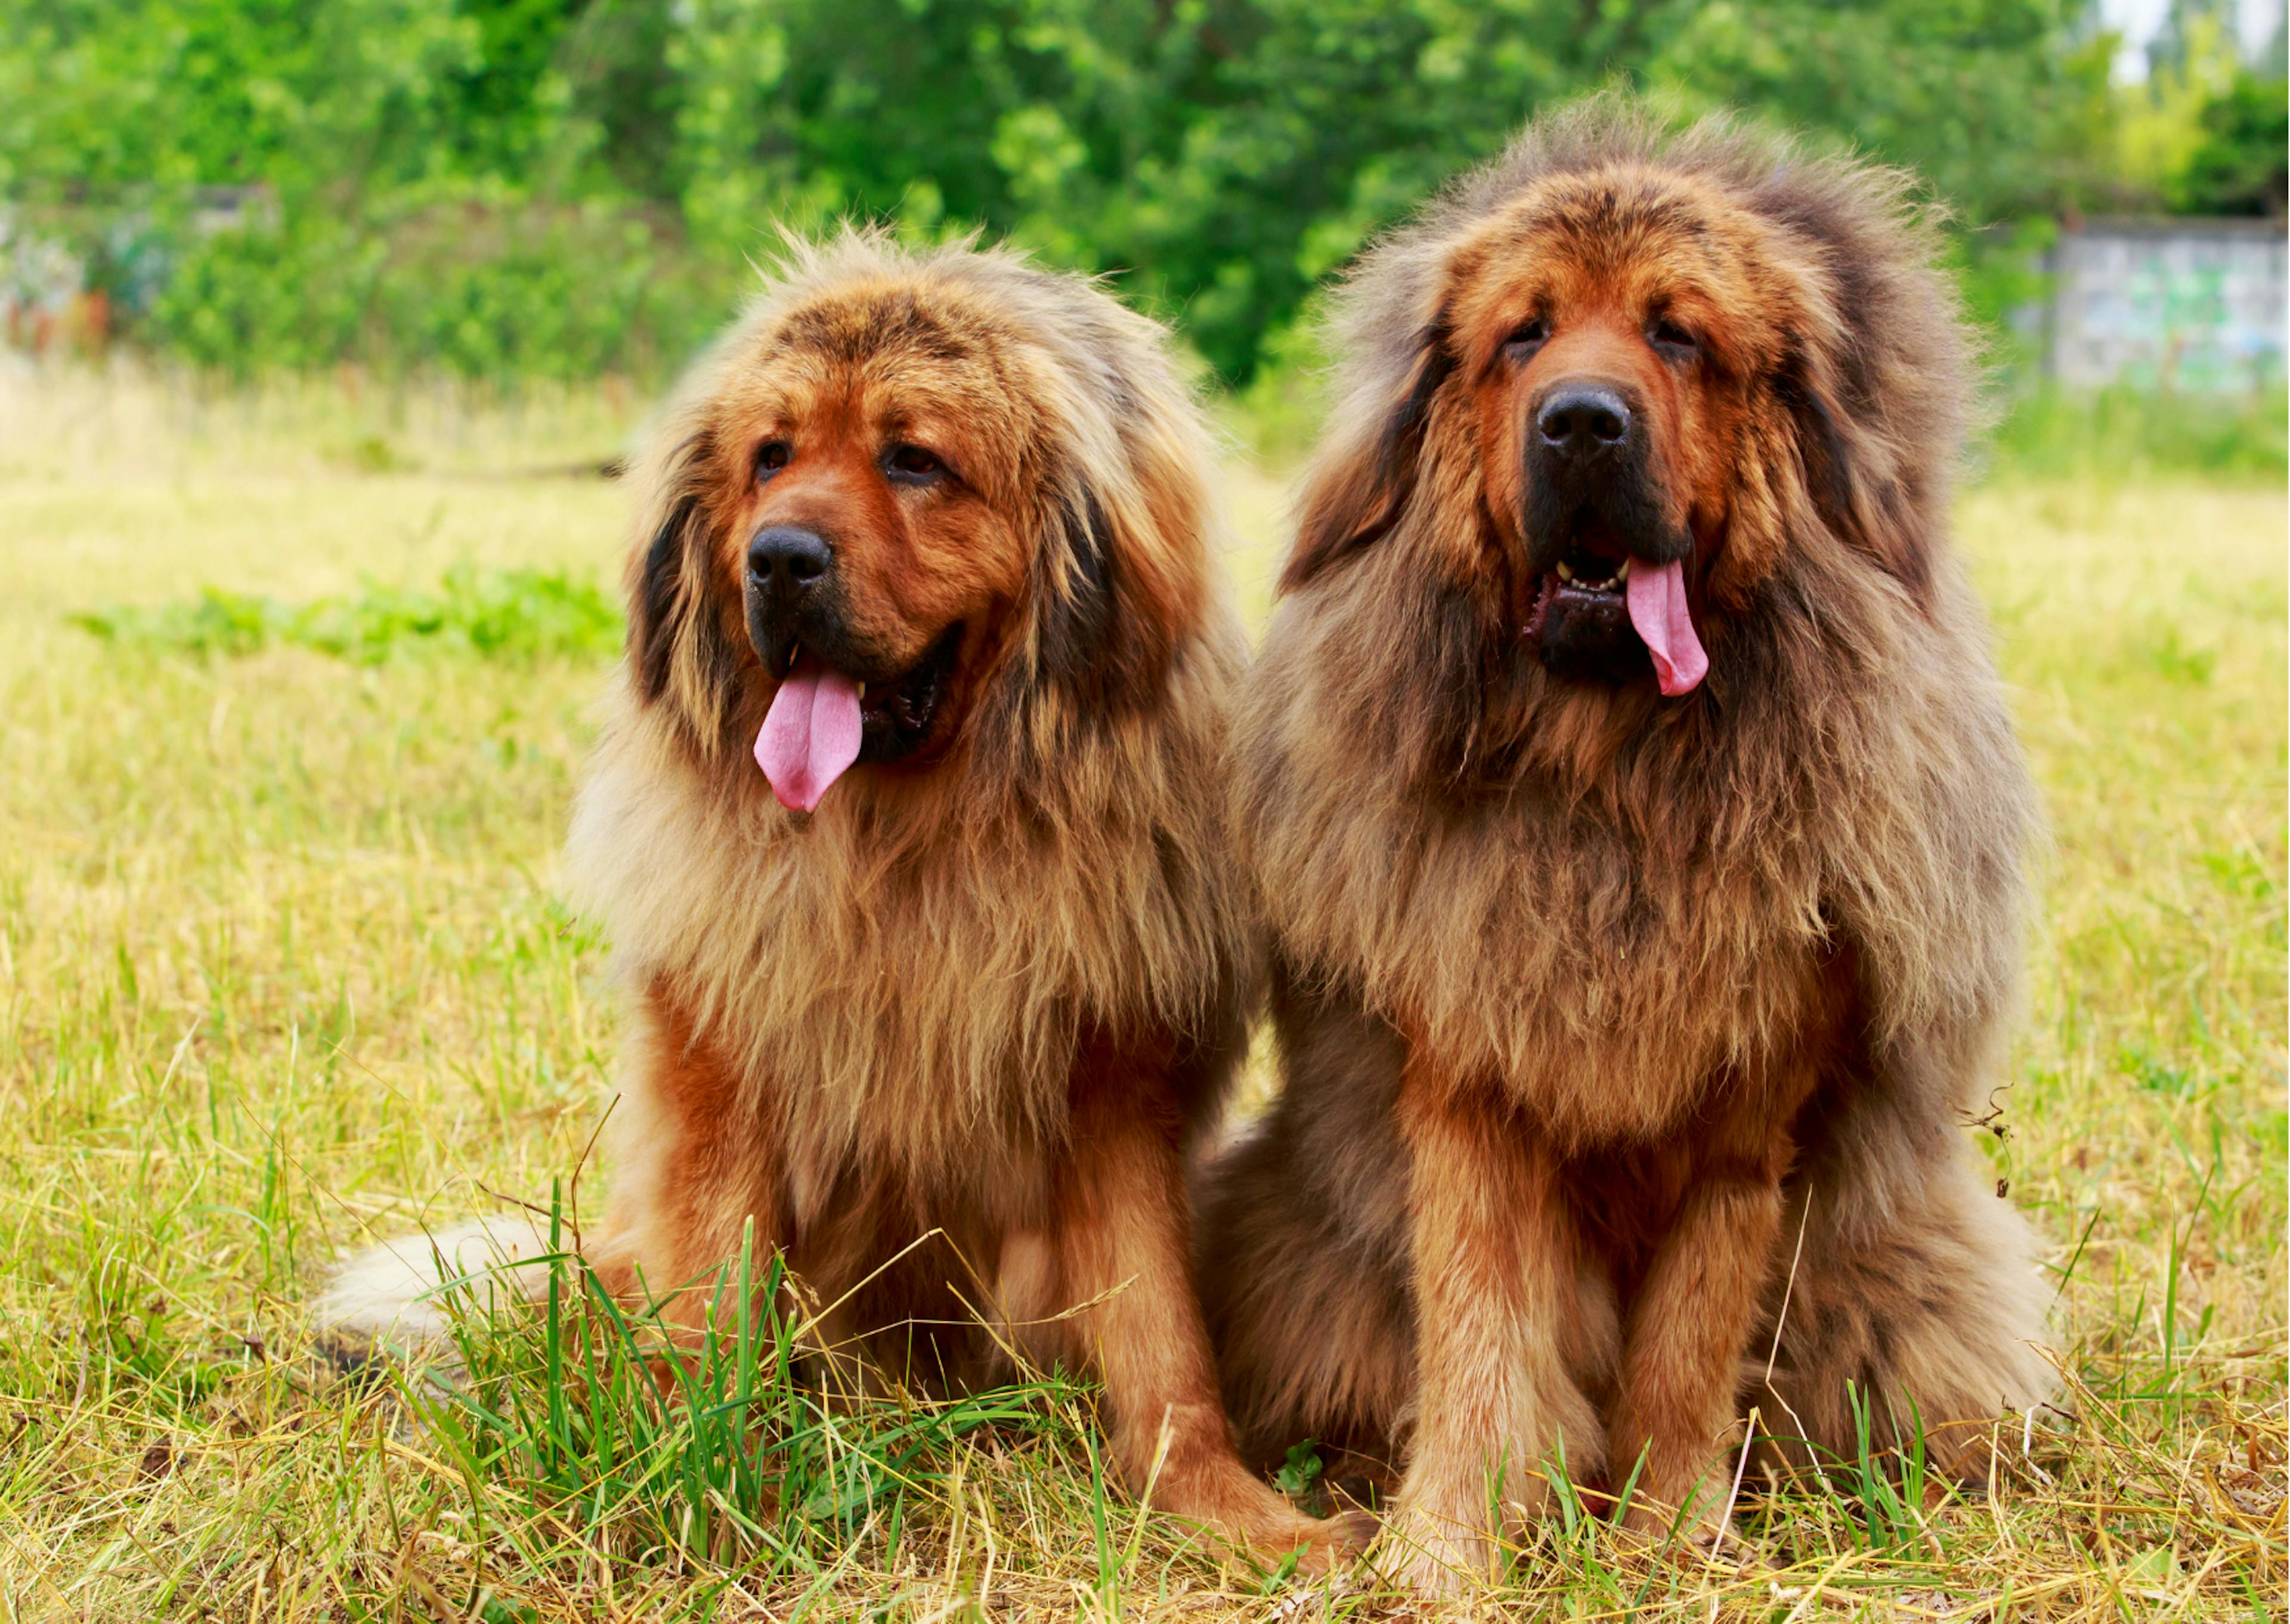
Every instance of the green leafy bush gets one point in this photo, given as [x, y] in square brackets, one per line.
[462, 284]
[499, 186]
[509, 614]
[2123, 433]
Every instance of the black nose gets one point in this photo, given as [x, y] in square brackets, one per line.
[787, 557]
[1579, 419]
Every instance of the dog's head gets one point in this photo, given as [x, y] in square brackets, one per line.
[1616, 379]
[918, 504]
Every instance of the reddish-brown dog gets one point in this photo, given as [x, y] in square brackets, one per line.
[1640, 827]
[907, 825]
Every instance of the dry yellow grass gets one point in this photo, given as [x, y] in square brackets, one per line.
[280, 960]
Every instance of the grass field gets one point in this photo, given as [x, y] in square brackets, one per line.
[281, 965]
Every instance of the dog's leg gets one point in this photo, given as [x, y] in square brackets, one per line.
[695, 1161]
[1302, 1241]
[1495, 1271]
[1118, 1234]
[1916, 1294]
[1688, 1328]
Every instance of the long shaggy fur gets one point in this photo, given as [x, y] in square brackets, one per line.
[912, 967]
[990, 994]
[1610, 912]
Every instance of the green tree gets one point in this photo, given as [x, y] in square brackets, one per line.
[450, 172]
[2239, 168]
[1229, 152]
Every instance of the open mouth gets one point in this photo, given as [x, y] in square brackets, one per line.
[1592, 564]
[896, 716]
[1602, 614]
[1580, 618]
[822, 720]
[1583, 571]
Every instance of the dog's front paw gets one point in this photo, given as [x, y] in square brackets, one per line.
[1257, 1522]
[1691, 1516]
[1437, 1551]
[1322, 1544]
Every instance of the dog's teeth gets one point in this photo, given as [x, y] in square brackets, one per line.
[1563, 572]
[862, 691]
[1623, 573]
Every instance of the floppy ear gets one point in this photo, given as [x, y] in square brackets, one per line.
[1358, 495]
[1852, 483]
[1104, 629]
[678, 654]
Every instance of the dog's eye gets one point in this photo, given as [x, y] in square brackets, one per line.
[912, 463]
[1528, 337]
[772, 456]
[1664, 333]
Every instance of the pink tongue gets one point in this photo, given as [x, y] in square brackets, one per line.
[1657, 601]
[810, 734]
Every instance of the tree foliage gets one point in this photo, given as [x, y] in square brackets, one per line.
[561, 185]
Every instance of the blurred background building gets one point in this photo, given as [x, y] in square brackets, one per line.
[2192, 304]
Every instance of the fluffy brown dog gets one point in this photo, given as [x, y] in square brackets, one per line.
[907, 826]
[1641, 829]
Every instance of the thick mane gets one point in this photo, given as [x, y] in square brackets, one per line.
[1879, 381]
[1111, 481]
[1429, 816]
[921, 958]
[1629, 1038]
[1862, 784]
[910, 971]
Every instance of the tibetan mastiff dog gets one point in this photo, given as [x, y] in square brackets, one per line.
[907, 826]
[1641, 830]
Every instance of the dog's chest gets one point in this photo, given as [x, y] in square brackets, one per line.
[1672, 1007]
[1612, 986]
[894, 1138]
